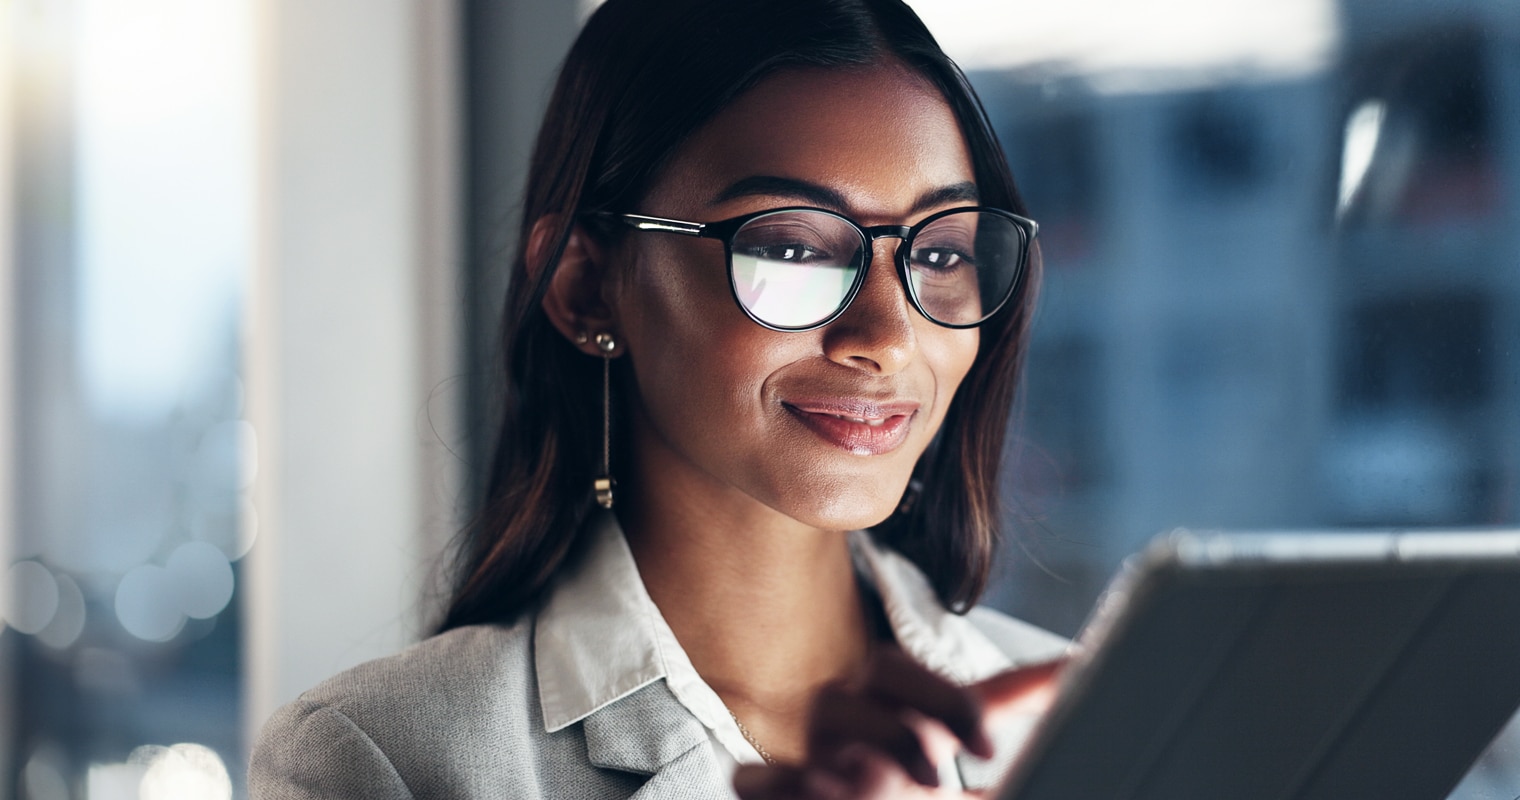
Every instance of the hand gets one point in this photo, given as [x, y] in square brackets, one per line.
[883, 736]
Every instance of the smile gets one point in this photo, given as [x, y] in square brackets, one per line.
[864, 428]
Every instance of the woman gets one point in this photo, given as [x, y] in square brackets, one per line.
[773, 287]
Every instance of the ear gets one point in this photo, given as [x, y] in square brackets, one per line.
[576, 301]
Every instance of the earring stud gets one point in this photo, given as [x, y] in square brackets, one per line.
[581, 337]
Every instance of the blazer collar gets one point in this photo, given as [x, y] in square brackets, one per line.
[645, 731]
[649, 733]
[693, 775]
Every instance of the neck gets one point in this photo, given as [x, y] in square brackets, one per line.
[766, 608]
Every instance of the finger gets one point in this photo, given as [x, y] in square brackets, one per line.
[939, 742]
[1020, 691]
[753, 782]
[871, 774]
[824, 785]
[897, 679]
[858, 774]
[842, 719]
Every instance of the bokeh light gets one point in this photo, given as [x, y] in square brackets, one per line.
[68, 621]
[1363, 128]
[33, 596]
[181, 772]
[42, 776]
[202, 579]
[147, 604]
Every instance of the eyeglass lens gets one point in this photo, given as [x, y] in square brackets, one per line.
[796, 269]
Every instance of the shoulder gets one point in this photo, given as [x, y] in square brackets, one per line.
[308, 750]
[440, 671]
[1022, 642]
[413, 724]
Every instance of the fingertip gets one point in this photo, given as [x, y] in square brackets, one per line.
[973, 731]
[980, 743]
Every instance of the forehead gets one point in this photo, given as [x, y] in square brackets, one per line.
[880, 137]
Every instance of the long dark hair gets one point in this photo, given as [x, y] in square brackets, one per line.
[641, 78]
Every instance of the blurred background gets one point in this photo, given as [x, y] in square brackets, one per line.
[252, 252]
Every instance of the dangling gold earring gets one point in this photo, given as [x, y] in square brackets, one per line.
[603, 482]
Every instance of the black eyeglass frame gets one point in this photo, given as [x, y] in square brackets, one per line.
[724, 230]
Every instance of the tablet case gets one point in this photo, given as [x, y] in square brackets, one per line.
[1287, 667]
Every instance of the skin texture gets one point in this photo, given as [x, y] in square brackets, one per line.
[735, 506]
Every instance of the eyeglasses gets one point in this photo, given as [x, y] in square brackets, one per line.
[796, 269]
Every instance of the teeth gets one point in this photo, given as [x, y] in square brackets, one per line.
[874, 423]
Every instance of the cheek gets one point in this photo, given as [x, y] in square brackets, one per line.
[675, 281]
[950, 354]
[700, 362]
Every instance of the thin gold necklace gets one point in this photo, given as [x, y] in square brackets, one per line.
[753, 742]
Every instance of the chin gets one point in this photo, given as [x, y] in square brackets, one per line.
[844, 510]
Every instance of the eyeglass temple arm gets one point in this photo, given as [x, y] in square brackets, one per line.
[644, 223]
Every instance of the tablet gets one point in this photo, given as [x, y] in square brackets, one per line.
[1286, 666]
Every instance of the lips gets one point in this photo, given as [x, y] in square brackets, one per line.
[862, 427]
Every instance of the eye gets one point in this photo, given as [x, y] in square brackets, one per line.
[798, 238]
[939, 259]
[789, 252]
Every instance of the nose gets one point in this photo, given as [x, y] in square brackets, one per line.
[876, 333]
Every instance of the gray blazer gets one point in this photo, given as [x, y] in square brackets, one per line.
[457, 716]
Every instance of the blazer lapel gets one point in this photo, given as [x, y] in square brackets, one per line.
[693, 775]
[649, 732]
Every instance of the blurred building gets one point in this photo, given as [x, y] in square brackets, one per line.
[1278, 304]
[1178, 372]
[1271, 304]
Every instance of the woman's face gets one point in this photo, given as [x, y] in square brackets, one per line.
[823, 426]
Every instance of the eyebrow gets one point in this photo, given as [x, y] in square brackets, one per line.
[814, 194]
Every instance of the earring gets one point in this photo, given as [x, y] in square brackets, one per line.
[581, 337]
[603, 482]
